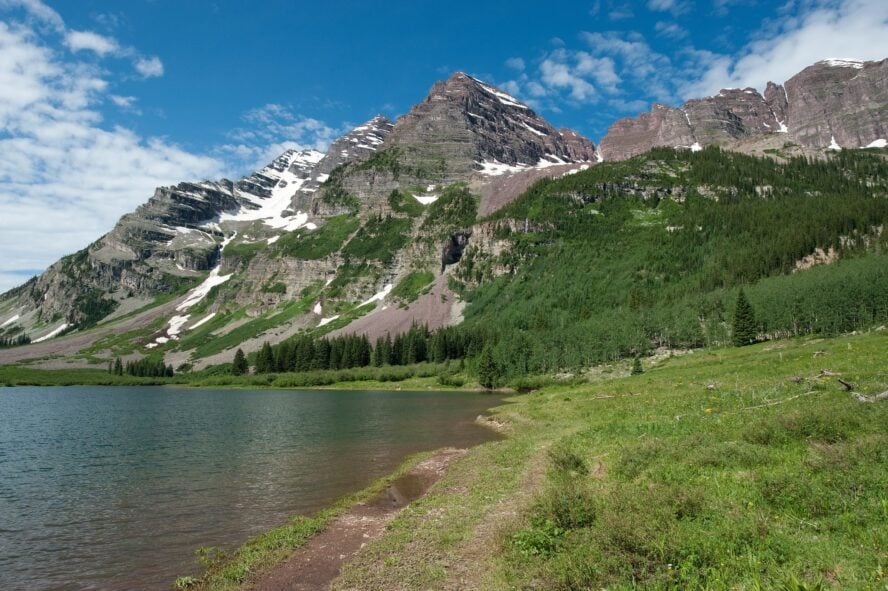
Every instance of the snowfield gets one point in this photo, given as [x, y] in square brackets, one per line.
[272, 210]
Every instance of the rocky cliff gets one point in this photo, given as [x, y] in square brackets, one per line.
[838, 102]
[833, 103]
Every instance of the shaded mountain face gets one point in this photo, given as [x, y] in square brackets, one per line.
[834, 99]
[840, 100]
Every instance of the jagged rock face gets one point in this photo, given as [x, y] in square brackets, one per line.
[663, 126]
[733, 113]
[730, 115]
[837, 100]
[356, 146]
[841, 99]
[775, 97]
[463, 122]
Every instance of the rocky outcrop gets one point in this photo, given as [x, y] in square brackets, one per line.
[775, 98]
[663, 126]
[728, 116]
[834, 103]
[356, 146]
[838, 102]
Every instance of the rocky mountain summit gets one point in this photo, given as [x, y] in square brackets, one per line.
[471, 125]
[831, 104]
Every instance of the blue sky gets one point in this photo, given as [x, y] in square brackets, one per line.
[102, 100]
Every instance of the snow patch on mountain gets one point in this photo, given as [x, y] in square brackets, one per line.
[843, 63]
[203, 320]
[51, 334]
[273, 210]
[497, 168]
[326, 321]
[379, 296]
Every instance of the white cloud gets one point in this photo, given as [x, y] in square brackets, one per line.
[87, 40]
[855, 29]
[624, 106]
[149, 67]
[271, 130]
[676, 7]
[559, 74]
[516, 63]
[65, 176]
[670, 30]
[36, 10]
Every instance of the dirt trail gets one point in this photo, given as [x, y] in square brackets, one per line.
[314, 566]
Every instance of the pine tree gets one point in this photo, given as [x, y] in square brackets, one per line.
[378, 352]
[239, 367]
[265, 359]
[636, 366]
[118, 367]
[488, 369]
[744, 322]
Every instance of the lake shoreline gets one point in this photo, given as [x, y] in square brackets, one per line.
[317, 563]
[423, 376]
[215, 469]
[307, 559]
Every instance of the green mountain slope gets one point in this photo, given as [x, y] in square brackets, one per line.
[649, 252]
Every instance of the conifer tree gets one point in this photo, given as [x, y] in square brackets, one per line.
[636, 366]
[239, 367]
[488, 369]
[265, 359]
[744, 322]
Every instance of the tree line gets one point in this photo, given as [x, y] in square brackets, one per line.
[141, 368]
[17, 341]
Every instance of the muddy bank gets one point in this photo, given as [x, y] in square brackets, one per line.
[315, 565]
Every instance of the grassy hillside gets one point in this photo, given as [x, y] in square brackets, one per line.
[725, 469]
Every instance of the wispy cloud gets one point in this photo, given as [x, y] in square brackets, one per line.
[516, 63]
[39, 15]
[271, 130]
[90, 41]
[851, 29]
[65, 175]
[676, 7]
[670, 30]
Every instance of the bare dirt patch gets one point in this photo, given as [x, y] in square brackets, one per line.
[318, 563]
[433, 309]
[499, 191]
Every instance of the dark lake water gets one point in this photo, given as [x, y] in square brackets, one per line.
[114, 488]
